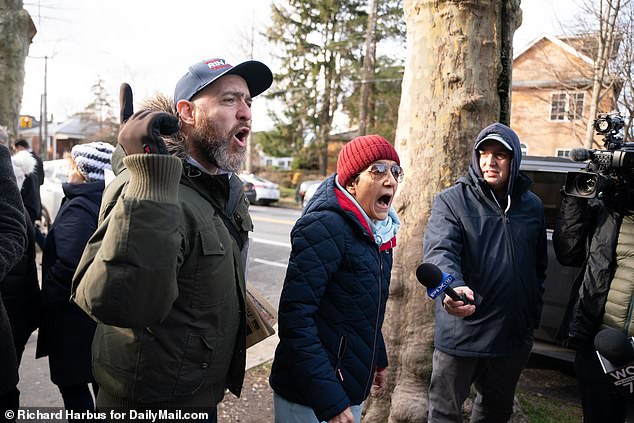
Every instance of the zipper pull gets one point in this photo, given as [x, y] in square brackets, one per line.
[340, 374]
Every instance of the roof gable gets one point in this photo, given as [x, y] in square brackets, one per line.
[559, 43]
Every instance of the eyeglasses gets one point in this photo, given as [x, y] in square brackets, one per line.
[378, 171]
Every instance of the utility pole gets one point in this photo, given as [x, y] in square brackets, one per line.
[247, 165]
[43, 132]
[45, 144]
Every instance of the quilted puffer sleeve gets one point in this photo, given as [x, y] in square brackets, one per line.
[317, 248]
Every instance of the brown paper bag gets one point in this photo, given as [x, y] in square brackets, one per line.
[261, 316]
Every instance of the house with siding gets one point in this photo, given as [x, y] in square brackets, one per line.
[551, 94]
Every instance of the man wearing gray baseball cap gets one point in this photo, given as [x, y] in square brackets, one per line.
[164, 274]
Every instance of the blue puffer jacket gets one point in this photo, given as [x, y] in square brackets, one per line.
[332, 307]
[498, 252]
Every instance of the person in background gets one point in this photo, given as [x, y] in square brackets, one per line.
[164, 275]
[331, 351]
[489, 232]
[31, 190]
[66, 332]
[21, 287]
[597, 235]
[13, 240]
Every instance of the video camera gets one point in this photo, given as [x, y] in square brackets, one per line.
[609, 171]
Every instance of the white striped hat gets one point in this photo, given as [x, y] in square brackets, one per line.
[91, 159]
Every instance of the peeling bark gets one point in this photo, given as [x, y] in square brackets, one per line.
[450, 92]
[16, 32]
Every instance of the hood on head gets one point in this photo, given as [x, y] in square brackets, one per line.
[506, 136]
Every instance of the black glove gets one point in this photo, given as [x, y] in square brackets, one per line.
[141, 132]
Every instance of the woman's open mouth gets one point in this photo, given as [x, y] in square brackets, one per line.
[385, 200]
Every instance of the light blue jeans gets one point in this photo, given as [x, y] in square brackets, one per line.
[291, 412]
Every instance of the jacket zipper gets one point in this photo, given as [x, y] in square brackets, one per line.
[628, 319]
[509, 240]
[343, 345]
[376, 324]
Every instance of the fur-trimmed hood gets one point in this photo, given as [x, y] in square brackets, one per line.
[175, 143]
[23, 165]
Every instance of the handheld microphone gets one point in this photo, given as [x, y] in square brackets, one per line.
[580, 154]
[616, 355]
[437, 281]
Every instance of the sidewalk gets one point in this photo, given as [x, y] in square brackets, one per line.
[262, 351]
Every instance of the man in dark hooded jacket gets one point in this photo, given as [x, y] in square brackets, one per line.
[488, 231]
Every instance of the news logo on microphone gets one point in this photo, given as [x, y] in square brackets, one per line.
[616, 355]
[437, 282]
[446, 281]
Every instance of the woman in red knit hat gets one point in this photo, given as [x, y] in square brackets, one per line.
[331, 352]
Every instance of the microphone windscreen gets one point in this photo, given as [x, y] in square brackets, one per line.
[579, 154]
[615, 346]
[429, 275]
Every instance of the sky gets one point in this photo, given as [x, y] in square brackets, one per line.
[151, 43]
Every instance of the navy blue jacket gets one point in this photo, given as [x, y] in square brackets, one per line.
[499, 253]
[331, 307]
[66, 332]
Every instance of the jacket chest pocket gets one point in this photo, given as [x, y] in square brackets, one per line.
[214, 274]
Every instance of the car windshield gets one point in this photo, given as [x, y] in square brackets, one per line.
[56, 171]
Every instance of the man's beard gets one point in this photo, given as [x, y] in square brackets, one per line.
[219, 149]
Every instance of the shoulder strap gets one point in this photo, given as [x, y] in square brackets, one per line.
[231, 228]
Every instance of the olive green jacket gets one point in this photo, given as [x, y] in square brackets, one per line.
[164, 278]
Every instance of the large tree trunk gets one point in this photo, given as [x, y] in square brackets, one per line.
[16, 32]
[450, 92]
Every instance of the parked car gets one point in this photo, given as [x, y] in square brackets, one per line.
[310, 191]
[300, 192]
[249, 191]
[51, 193]
[548, 175]
[266, 192]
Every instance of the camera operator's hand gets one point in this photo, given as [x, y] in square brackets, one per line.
[572, 201]
[141, 132]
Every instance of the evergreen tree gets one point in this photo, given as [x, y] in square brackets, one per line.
[99, 112]
[319, 45]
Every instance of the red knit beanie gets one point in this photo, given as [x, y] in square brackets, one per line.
[360, 153]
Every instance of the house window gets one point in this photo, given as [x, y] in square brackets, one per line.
[566, 106]
[563, 152]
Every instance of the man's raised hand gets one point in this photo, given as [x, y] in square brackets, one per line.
[141, 132]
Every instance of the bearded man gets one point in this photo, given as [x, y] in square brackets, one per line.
[163, 275]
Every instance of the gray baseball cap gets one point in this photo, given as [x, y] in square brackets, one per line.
[257, 75]
[495, 137]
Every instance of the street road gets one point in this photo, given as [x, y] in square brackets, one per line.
[269, 251]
